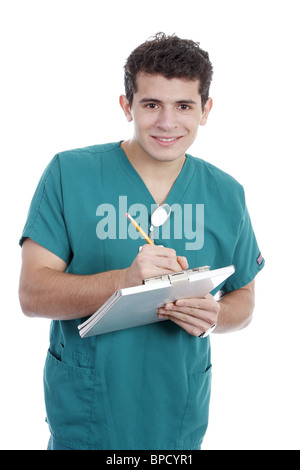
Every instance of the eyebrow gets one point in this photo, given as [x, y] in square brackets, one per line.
[153, 100]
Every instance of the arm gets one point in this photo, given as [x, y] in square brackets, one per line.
[236, 309]
[233, 312]
[47, 291]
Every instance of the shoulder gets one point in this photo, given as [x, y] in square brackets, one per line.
[85, 162]
[88, 153]
[216, 179]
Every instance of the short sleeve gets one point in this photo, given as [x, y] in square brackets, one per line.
[45, 222]
[247, 257]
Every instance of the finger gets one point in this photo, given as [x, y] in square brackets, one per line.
[166, 262]
[183, 262]
[159, 251]
[194, 330]
[204, 315]
[187, 319]
[207, 303]
[160, 257]
[198, 302]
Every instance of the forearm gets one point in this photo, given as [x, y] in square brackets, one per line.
[62, 296]
[46, 290]
[236, 309]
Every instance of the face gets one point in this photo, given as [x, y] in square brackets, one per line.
[166, 114]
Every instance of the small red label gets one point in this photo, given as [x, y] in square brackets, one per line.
[260, 259]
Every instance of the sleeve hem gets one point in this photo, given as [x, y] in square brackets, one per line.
[243, 282]
[45, 244]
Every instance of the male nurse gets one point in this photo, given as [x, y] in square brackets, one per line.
[146, 387]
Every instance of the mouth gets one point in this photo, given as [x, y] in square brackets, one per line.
[166, 141]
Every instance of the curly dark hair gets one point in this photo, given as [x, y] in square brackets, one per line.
[171, 57]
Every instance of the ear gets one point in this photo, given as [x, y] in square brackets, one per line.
[124, 103]
[206, 111]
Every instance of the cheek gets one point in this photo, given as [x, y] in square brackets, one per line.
[193, 126]
[143, 124]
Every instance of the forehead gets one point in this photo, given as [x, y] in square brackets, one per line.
[165, 89]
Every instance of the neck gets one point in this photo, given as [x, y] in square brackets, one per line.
[158, 176]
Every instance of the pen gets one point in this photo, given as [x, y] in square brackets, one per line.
[139, 229]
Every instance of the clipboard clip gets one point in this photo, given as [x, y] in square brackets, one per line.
[176, 278]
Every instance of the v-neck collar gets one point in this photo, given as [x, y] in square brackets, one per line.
[143, 194]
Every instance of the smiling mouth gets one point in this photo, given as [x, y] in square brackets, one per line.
[166, 140]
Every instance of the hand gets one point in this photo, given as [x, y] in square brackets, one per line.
[195, 315]
[153, 261]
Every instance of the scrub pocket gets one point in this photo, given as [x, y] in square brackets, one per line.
[69, 394]
[195, 419]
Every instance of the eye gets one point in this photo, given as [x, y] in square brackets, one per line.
[151, 106]
[184, 107]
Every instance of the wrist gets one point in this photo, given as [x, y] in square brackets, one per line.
[123, 279]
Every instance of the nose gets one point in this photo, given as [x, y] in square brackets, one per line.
[166, 119]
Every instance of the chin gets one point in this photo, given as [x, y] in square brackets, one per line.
[166, 158]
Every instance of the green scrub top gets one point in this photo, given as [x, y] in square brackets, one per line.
[146, 387]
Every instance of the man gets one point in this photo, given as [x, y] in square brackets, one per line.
[145, 387]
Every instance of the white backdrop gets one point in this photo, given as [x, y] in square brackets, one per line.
[62, 73]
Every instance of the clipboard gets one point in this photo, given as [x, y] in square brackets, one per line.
[137, 306]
